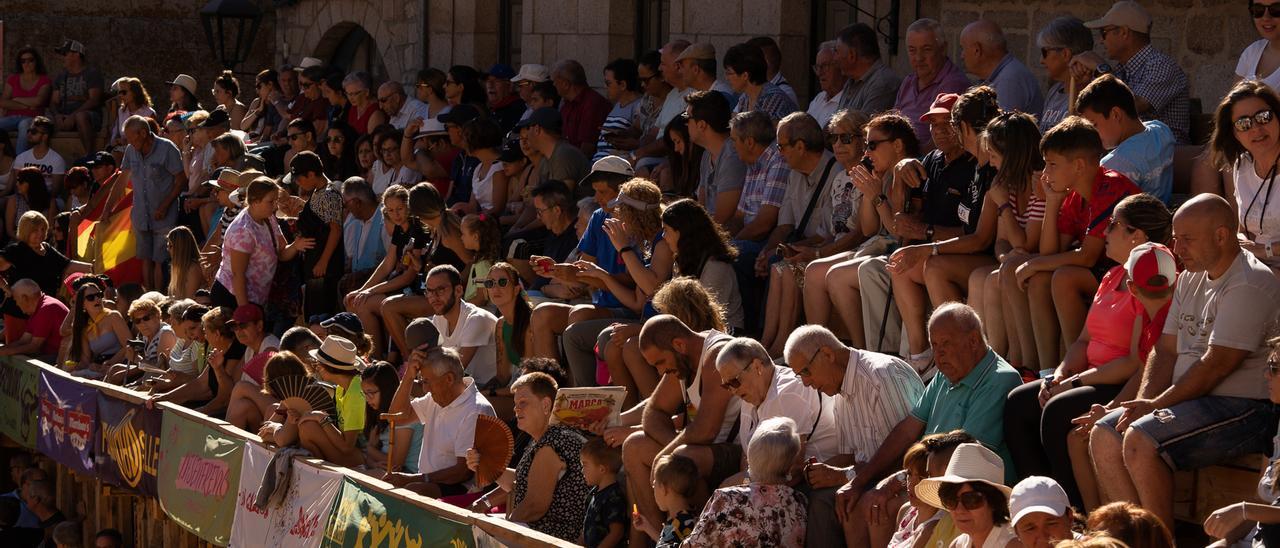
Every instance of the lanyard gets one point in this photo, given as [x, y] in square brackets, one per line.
[1263, 188]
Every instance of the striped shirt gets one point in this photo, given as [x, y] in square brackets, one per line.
[878, 391]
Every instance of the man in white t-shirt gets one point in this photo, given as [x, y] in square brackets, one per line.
[831, 80]
[40, 156]
[448, 414]
[1204, 395]
[463, 326]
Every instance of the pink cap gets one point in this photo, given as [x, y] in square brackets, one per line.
[941, 105]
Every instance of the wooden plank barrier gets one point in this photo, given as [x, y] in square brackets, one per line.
[143, 521]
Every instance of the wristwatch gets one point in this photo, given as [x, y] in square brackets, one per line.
[1103, 68]
[879, 200]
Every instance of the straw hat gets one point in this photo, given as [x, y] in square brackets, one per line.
[336, 352]
[970, 462]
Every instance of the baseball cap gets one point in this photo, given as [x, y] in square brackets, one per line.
[1152, 267]
[511, 151]
[420, 331]
[1037, 494]
[346, 322]
[941, 105]
[184, 81]
[545, 117]
[502, 71]
[101, 158]
[308, 62]
[247, 313]
[69, 45]
[1125, 13]
[305, 162]
[609, 168]
[459, 114]
[701, 50]
[217, 117]
[532, 73]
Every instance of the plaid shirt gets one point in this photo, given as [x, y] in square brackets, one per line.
[772, 101]
[1157, 78]
[765, 184]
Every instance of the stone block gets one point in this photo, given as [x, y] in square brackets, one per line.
[621, 19]
[554, 16]
[675, 24]
[485, 16]
[765, 16]
[593, 15]
[713, 17]
[440, 18]
[531, 48]
[1207, 38]
[955, 20]
[1008, 19]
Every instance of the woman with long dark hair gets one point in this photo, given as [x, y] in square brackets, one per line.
[379, 383]
[182, 97]
[703, 250]
[26, 94]
[99, 335]
[462, 85]
[512, 334]
[339, 152]
[679, 174]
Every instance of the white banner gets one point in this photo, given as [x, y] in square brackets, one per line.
[299, 521]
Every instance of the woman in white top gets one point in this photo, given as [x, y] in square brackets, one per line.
[1246, 141]
[389, 169]
[134, 101]
[973, 491]
[1261, 60]
[483, 139]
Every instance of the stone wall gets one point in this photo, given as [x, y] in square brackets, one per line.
[154, 40]
[724, 24]
[594, 32]
[310, 28]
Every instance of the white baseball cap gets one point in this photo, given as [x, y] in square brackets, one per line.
[1037, 494]
[532, 73]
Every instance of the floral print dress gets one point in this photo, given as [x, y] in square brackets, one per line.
[755, 514]
[569, 501]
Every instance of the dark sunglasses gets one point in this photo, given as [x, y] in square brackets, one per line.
[736, 381]
[1273, 367]
[500, 282]
[141, 319]
[1260, 118]
[871, 145]
[90, 297]
[644, 80]
[842, 138]
[971, 500]
[1258, 10]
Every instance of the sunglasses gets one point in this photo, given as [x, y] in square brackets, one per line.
[1258, 10]
[1044, 52]
[842, 138]
[500, 282]
[91, 297]
[140, 319]
[1116, 223]
[971, 500]
[872, 144]
[736, 381]
[1260, 118]
[644, 80]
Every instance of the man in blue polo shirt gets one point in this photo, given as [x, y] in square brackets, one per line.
[967, 393]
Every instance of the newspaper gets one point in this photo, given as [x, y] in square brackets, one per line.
[587, 408]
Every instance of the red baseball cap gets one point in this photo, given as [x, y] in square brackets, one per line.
[247, 313]
[941, 105]
[1152, 267]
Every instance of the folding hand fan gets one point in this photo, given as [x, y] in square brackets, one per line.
[495, 444]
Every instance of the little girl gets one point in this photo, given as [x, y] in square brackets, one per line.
[482, 235]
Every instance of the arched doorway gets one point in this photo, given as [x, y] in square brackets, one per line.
[350, 48]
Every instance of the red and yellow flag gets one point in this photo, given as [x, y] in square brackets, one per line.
[105, 235]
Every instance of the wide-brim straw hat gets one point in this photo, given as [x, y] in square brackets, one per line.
[971, 462]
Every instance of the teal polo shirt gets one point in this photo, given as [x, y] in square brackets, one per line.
[975, 405]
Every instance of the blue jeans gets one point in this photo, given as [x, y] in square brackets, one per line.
[19, 123]
[1207, 430]
[753, 288]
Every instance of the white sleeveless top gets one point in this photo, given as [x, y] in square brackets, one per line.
[482, 187]
[693, 391]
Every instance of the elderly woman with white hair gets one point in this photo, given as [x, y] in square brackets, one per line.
[766, 511]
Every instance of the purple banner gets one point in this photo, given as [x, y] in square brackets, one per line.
[128, 446]
[68, 416]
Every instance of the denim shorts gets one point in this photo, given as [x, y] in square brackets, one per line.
[152, 245]
[1207, 430]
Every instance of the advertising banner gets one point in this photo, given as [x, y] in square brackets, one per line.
[128, 449]
[68, 416]
[364, 518]
[299, 521]
[199, 477]
[19, 400]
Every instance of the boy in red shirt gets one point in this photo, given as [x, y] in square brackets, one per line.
[1079, 195]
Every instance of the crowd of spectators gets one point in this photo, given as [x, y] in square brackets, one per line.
[956, 307]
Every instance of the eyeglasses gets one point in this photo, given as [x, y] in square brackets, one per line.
[90, 297]
[141, 319]
[500, 282]
[1260, 118]
[644, 80]
[1116, 223]
[971, 500]
[1258, 10]
[386, 150]
[293, 136]
[804, 371]
[818, 68]
[842, 138]
[438, 290]
[872, 144]
[736, 381]
[1044, 52]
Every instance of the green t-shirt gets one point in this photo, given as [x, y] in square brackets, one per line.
[351, 406]
[975, 405]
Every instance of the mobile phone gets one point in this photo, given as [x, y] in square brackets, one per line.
[866, 162]
[544, 264]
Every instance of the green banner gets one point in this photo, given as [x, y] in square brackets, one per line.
[19, 400]
[199, 477]
[367, 519]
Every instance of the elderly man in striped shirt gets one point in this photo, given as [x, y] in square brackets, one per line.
[871, 393]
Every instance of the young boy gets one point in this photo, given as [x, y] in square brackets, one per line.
[1080, 195]
[675, 480]
[605, 523]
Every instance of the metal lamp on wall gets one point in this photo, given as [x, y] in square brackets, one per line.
[230, 27]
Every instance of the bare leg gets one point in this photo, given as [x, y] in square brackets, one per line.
[842, 283]
[148, 281]
[1107, 452]
[370, 314]
[947, 276]
[1044, 320]
[85, 128]
[1073, 289]
[398, 311]
[314, 439]
[1151, 475]
[644, 375]
[817, 303]
[1019, 312]
[620, 375]
[789, 315]
[913, 305]
[638, 452]
[701, 455]
[548, 321]
[771, 307]
[1082, 467]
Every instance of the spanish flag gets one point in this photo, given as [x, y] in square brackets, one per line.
[105, 235]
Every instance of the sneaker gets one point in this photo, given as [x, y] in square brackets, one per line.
[923, 363]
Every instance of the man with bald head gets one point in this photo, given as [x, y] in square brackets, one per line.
[1207, 371]
[40, 336]
[401, 108]
[690, 387]
[967, 393]
[985, 51]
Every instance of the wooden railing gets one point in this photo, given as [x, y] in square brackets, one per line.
[143, 517]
